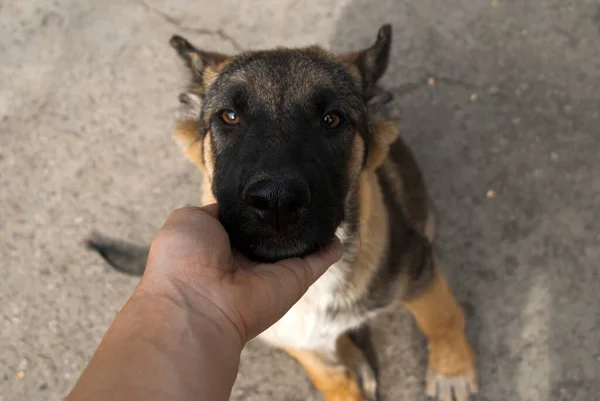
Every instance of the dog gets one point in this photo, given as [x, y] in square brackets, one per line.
[295, 148]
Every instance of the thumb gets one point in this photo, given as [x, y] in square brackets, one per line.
[319, 262]
[280, 285]
[212, 209]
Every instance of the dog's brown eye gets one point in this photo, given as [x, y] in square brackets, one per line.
[229, 117]
[333, 119]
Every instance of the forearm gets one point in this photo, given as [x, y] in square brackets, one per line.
[157, 350]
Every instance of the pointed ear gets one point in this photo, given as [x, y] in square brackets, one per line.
[196, 60]
[372, 62]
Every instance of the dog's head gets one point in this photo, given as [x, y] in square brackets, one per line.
[282, 136]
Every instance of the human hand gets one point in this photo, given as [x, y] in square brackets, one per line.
[191, 263]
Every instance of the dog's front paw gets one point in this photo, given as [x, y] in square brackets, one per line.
[442, 387]
[451, 370]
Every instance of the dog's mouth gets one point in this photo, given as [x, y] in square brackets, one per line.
[262, 243]
[274, 248]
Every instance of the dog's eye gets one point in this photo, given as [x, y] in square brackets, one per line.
[333, 119]
[230, 117]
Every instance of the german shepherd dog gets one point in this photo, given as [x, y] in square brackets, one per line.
[294, 148]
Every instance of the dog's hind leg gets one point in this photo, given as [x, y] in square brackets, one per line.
[347, 372]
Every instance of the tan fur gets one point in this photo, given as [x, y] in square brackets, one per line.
[210, 76]
[199, 152]
[372, 234]
[209, 163]
[441, 318]
[207, 195]
[211, 73]
[384, 134]
[186, 136]
[208, 155]
[336, 375]
[348, 59]
[371, 241]
[372, 230]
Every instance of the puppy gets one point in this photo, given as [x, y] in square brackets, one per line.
[294, 151]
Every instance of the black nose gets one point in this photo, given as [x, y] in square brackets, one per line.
[278, 202]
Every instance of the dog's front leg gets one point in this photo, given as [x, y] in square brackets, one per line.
[451, 359]
[341, 373]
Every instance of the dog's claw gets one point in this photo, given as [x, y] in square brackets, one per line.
[368, 383]
[443, 387]
[430, 384]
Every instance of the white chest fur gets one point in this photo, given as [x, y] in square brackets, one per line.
[309, 323]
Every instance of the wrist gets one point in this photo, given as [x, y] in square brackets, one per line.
[157, 348]
[201, 317]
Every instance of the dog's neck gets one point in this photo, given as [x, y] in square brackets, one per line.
[364, 237]
[363, 210]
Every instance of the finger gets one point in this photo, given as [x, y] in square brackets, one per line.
[277, 287]
[303, 272]
[192, 214]
[184, 216]
[320, 261]
[212, 209]
[192, 238]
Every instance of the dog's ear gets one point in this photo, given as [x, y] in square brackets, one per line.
[371, 62]
[369, 65]
[198, 61]
[204, 67]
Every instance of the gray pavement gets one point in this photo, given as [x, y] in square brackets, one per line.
[508, 136]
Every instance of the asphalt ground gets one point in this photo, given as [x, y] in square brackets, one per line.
[499, 100]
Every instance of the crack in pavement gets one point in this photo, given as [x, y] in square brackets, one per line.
[201, 31]
[402, 90]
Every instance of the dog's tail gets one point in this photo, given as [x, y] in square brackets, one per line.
[124, 257]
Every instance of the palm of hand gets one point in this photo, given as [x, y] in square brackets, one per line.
[193, 252]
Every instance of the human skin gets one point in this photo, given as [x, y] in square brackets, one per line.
[181, 333]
